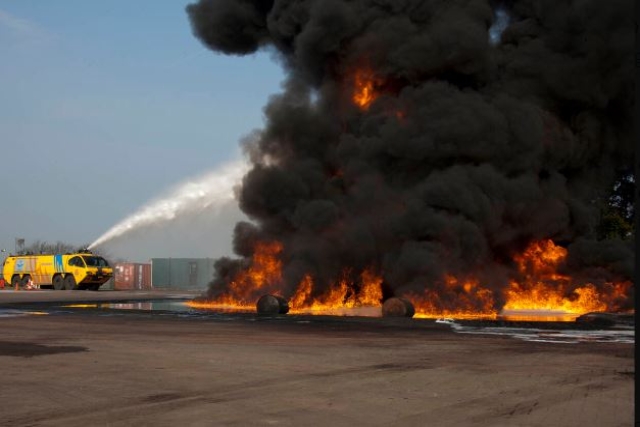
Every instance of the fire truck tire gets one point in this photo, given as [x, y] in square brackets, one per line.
[16, 283]
[58, 283]
[70, 283]
[25, 280]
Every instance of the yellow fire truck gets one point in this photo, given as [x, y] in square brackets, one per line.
[79, 270]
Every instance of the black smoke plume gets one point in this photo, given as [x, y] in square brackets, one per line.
[474, 147]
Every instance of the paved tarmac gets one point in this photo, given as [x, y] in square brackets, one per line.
[10, 296]
[136, 368]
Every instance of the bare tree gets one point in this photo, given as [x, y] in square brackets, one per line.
[44, 247]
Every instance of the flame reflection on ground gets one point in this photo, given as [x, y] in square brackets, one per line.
[518, 324]
[537, 316]
[188, 306]
[376, 311]
[342, 311]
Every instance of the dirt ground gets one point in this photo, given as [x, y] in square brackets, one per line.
[91, 368]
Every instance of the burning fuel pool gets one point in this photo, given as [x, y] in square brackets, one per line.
[534, 326]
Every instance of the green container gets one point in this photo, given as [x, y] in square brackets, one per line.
[181, 273]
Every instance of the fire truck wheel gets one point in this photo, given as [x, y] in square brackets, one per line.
[16, 283]
[58, 283]
[70, 283]
[25, 281]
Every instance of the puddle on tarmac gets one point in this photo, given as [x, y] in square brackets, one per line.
[155, 305]
[557, 334]
[15, 313]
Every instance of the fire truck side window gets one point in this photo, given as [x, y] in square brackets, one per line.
[95, 261]
[76, 261]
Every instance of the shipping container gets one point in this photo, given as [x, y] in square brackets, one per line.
[181, 273]
[131, 276]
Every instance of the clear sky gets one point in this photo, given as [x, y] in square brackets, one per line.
[105, 106]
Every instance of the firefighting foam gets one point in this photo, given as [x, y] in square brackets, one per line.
[452, 153]
[209, 191]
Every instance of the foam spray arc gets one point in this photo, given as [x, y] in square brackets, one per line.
[210, 191]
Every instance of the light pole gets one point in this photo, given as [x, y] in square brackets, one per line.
[2, 251]
[19, 243]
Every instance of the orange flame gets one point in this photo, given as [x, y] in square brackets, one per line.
[343, 294]
[263, 276]
[364, 91]
[540, 287]
[543, 288]
[459, 299]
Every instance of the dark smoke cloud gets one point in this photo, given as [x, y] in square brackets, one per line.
[498, 143]
[234, 27]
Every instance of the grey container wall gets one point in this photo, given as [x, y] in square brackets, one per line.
[107, 286]
[181, 273]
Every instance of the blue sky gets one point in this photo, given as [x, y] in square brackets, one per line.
[105, 106]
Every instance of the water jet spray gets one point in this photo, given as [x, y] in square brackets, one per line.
[209, 191]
